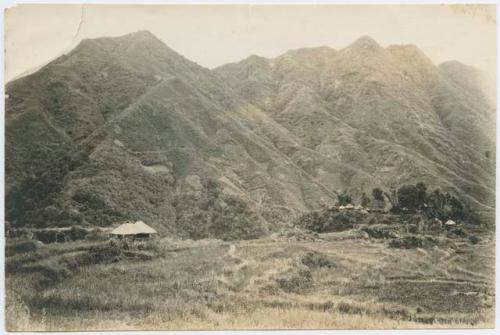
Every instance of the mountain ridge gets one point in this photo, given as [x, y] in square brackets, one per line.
[280, 136]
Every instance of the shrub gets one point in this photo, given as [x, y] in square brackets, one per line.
[214, 214]
[296, 281]
[412, 228]
[77, 233]
[347, 308]
[138, 255]
[22, 246]
[379, 232]
[407, 242]
[457, 232]
[397, 313]
[344, 199]
[328, 220]
[474, 239]
[49, 273]
[315, 259]
[100, 254]
[96, 235]
[50, 236]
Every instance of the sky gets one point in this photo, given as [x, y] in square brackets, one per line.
[212, 35]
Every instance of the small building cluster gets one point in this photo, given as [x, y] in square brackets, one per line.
[350, 206]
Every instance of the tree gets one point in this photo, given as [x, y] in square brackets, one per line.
[378, 194]
[343, 199]
[457, 208]
[422, 194]
[436, 199]
[365, 200]
[408, 197]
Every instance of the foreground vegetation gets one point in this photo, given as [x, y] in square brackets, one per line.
[352, 278]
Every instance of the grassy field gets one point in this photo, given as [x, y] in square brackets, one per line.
[293, 280]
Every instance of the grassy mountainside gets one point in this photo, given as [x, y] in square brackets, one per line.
[386, 116]
[126, 128]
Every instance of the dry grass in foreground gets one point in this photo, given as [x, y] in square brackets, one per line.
[336, 280]
[266, 318]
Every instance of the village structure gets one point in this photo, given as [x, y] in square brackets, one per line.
[377, 207]
[137, 230]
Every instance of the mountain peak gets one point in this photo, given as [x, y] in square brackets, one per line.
[365, 42]
[141, 35]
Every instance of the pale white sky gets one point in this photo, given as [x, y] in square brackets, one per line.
[212, 35]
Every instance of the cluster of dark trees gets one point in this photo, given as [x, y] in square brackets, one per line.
[36, 199]
[436, 203]
[377, 197]
[416, 198]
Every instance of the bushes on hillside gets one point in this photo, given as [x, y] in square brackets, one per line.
[60, 236]
[77, 233]
[314, 259]
[106, 253]
[343, 199]
[213, 214]
[94, 208]
[474, 239]
[435, 204]
[328, 220]
[380, 232]
[36, 199]
[296, 280]
[413, 241]
[48, 273]
[20, 246]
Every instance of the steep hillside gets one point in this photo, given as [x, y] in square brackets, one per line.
[126, 128]
[134, 129]
[386, 115]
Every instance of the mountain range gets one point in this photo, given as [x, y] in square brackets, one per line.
[126, 128]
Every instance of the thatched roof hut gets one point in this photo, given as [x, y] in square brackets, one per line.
[450, 223]
[136, 230]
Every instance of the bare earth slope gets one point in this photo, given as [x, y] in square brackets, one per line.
[122, 128]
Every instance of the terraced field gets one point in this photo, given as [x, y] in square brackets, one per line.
[292, 280]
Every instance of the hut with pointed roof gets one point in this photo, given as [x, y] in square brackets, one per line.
[450, 223]
[137, 230]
